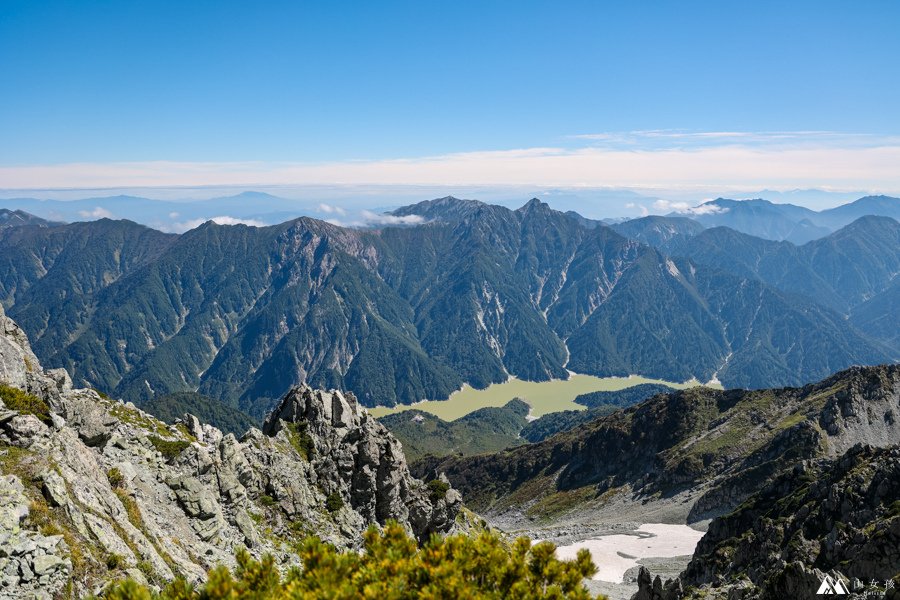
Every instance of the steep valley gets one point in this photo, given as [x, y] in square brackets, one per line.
[716, 446]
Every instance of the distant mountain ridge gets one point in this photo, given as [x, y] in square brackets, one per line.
[399, 314]
[853, 271]
[166, 214]
[658, 231]
[789, 222]
[17, 218]
[447, 209]
[758, 217]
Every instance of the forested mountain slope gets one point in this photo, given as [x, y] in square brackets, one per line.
[402, 313]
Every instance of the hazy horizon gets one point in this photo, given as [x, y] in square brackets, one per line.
[180, 209]
[681, 102]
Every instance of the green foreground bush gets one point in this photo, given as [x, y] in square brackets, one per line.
[393, 567]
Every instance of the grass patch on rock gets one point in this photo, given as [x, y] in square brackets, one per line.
[334, 502]
[437, 489]
[300, 440]
[115, 477]
[168, 448]
[25, 403]
[560, 502]
[133, 416]
[13, 461]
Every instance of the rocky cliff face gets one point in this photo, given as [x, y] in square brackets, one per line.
[357, 458]
[838, 516]
[92, 489]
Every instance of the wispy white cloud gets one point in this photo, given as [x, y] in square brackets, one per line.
[644, 210]
[707, 209]
[663, 205]
[220, 220]
[371, 218]
[367, 218]
[97, 213]
[668, 205]
[724, 161]
[329, 209]
[656, 138]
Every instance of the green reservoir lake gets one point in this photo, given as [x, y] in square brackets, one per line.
[543, 396]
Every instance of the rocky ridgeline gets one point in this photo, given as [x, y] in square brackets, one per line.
[714, 447]
[837, 517]
[92, 489]
[825, 501]
[860, 405]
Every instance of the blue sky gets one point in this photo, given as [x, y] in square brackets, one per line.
[303, 92]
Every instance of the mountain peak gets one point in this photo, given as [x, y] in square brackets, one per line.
[869, 227]
[447, 209]
[533, 205]
[881, 205]
[877, 198]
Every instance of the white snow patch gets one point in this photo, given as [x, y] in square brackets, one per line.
[649, 540]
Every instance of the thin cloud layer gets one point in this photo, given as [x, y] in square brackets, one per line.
[367, 218]
[371, 218]
[329, 209]
[686, 209]
[658, 138]
[97, 213]
[725, 160]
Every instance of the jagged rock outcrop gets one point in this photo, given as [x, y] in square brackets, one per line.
[95, 489]
[838, 517]
[30, 562]
[358, 459]
[20, 368]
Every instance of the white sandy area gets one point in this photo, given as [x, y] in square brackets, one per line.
[649, 540]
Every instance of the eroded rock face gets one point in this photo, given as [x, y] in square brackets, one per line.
[838, 517]
[30, 563]
[102, 490]
[19, 367]
[358, 459]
